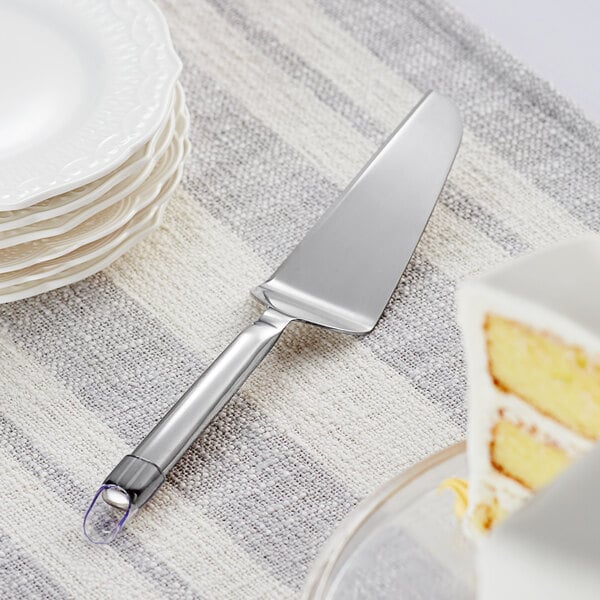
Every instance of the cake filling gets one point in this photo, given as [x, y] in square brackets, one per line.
[558, 380]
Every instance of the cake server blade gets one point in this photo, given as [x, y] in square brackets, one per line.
[340, 276]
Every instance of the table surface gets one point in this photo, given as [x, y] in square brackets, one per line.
[557, 40]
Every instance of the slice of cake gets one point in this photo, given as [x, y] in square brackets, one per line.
[532, 341]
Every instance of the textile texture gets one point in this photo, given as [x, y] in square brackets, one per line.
[288, 100]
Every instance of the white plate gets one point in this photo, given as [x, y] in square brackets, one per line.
[128, 175]
[404, 541]
[19, 257]
[99, 261]
[85, 84]
[83, 203]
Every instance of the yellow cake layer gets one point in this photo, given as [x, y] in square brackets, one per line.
[558, 380]
[519, 455]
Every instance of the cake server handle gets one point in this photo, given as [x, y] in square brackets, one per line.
[139, 474]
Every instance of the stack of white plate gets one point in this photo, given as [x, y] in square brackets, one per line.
[93, 133]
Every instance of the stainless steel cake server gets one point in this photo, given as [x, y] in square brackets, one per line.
[340, 276]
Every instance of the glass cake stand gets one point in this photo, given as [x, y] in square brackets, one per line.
[404, 541]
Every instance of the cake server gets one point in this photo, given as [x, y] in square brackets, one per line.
[340, 276]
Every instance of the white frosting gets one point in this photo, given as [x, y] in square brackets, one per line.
[547, 430]
[556, 290]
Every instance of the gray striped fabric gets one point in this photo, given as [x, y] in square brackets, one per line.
[287, 99]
